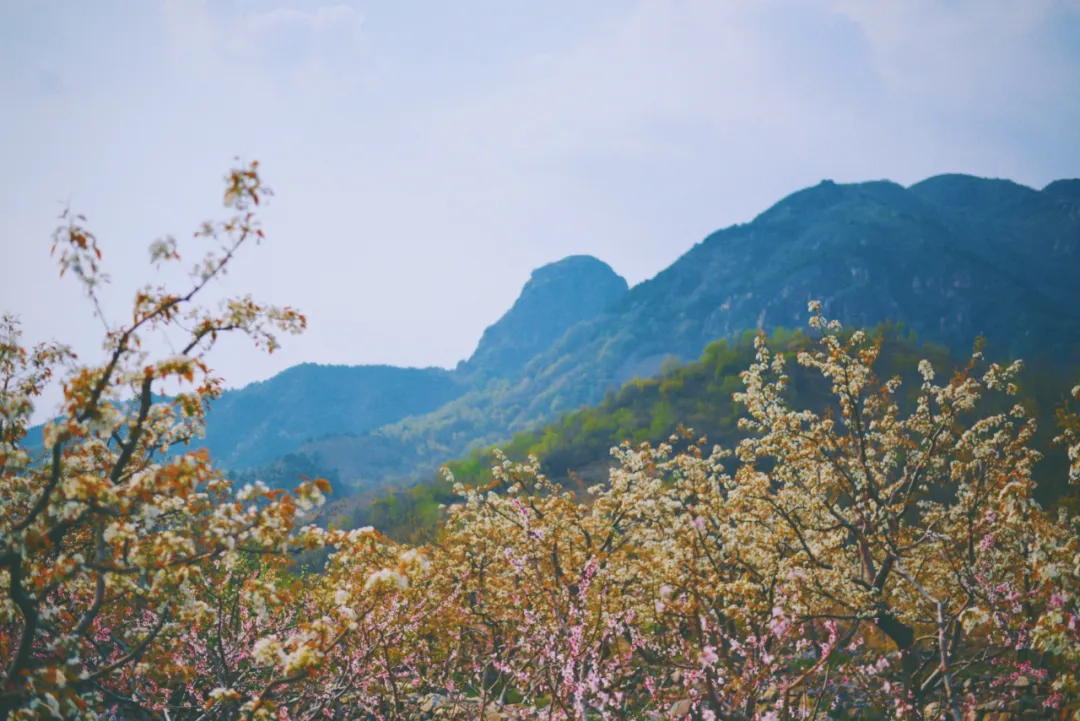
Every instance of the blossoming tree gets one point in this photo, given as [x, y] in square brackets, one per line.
[879, 556]
[111, 537]
[863, 559]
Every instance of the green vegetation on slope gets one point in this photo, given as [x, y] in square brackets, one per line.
[576, 448]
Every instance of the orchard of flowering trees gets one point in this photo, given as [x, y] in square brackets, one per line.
[884, 559]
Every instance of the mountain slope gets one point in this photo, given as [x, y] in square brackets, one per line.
[952, 257]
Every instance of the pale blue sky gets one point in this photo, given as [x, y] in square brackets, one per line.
[428, 155]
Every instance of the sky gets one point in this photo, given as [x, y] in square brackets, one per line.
[427, 155]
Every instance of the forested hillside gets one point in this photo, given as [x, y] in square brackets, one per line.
[952, 257]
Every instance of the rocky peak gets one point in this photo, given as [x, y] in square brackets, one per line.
[556, 297]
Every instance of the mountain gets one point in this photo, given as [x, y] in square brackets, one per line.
[952, 257]
[556, 297]
[252, 428]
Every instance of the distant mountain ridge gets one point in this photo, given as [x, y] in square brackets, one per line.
[951, 257]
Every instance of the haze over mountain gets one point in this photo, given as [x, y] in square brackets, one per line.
[952, 257]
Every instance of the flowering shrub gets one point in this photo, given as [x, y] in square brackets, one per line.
[876, 558]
